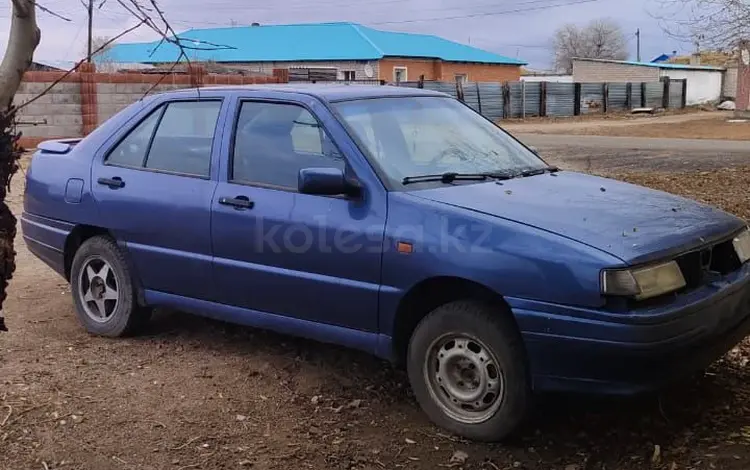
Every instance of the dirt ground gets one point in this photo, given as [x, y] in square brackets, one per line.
[198, 394]
[698, 125]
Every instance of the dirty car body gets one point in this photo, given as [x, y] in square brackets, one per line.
[612, 287]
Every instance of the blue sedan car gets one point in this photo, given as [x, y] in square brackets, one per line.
[396, 221]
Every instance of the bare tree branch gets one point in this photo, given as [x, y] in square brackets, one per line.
[78, 64]
[23, 40]
[161, 79]
[707, 24]
[168, 34]
[50, 12]
[600, 39]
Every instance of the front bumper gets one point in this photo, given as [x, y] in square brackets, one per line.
[638, 352]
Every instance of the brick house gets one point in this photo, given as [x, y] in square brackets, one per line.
[329, 51]
[743, 81]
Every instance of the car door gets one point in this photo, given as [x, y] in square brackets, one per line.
[279, 251]
[154, 187]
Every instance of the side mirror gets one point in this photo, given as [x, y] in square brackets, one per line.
[326, 182]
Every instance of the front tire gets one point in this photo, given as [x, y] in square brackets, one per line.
[467, 366]
[103, 290]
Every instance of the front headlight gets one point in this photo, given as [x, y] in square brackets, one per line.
[742, 246]
[643, 283]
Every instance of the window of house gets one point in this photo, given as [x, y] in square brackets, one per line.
[176, 137]
[400, 74]
[273, 141]
[462, 78]
[350, 75]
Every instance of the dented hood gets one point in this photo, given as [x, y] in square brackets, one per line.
[633, 223]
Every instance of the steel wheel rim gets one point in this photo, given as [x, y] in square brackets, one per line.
[98, 289]
[464, 378]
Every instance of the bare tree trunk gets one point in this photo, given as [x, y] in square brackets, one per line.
[23, 40]
[24, 37]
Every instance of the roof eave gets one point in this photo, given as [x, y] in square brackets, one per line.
[657, 65]
[484, 62]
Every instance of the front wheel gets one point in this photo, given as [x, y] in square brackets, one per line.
[467, 367]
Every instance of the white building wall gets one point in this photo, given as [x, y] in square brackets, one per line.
[702, 85]
[594, 71]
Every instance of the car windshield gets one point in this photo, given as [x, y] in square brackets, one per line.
[415, 136]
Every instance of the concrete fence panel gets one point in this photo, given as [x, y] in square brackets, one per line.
[74, 104]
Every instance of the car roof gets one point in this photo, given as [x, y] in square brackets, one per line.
[330, 93]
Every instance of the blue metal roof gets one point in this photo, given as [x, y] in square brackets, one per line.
[661, 58]
[303, 42]
[659, 65]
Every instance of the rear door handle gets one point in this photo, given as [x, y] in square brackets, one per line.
[239, 202]
[113, 183]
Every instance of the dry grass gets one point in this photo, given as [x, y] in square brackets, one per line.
[718, 129]
[727, 188]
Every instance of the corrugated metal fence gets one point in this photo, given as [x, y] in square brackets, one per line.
[528, 99]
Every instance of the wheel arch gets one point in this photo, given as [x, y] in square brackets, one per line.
[79, 235]
[429, 294]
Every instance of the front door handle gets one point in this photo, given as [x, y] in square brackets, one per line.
[239, 202]
[113, 183]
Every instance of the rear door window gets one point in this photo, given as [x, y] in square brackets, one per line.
[182, 143]
[176, 138]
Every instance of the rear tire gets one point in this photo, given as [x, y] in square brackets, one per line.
[103, 290]
[468, 369]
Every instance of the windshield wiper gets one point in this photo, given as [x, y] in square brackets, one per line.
[539, 171]
[450, 177]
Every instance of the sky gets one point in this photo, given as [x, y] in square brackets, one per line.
[514, 28]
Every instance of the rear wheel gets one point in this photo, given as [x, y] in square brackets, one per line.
[467, 367]
[103, 290]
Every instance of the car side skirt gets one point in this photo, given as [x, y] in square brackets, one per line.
[372, 343]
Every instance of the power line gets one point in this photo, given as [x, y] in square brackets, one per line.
[91, 29]
[527, 46]
[232, 7]
[539, 5]
[478, 15]
[638, 47]
[294, 6]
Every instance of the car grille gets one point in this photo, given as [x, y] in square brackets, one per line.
[705, 264]
[699, 267]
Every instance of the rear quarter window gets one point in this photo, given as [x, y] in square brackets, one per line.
[131, 151]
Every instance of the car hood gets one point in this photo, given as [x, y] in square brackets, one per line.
[633, 223]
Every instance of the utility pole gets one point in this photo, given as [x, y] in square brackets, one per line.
[697, 42]
[638, 43]
[91, 29]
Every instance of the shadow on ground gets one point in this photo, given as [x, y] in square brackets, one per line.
[695, 422]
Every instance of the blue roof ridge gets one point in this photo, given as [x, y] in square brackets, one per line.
[366, 38]
[324, 44]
